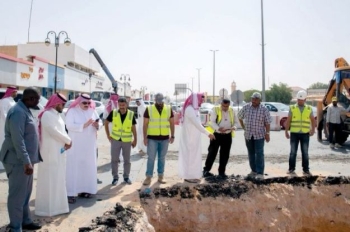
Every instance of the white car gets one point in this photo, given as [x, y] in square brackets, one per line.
[206, 108]
[147, 103]
[100, 108]
[278, 109]
[35, 112]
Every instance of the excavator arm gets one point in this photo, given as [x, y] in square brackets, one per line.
[106, 70]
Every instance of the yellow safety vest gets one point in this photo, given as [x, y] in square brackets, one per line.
[158, 123]
[122, 130]
[219, 117]
[300, 122]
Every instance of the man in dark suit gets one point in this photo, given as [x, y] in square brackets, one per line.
[19, 153]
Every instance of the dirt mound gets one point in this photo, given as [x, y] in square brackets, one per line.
[235, 186]
[120, 219]
[312, 203]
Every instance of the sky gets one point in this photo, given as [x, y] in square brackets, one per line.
[160, 43]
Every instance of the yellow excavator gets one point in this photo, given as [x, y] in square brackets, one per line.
[339, 86]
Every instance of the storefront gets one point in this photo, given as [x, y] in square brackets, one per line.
[22, 73]
[8, 70]
[51, 80]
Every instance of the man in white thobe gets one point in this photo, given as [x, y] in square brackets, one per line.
[190, 153]
[6, 102]
[82, 123]
[141, 107]
[51, 193]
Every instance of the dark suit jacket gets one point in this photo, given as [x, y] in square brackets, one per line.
[21, 144]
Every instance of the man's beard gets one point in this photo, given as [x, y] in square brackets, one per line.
[59, 110]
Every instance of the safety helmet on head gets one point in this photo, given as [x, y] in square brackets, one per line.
[334, 99]
[301, 95]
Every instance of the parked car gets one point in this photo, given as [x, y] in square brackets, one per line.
[35, 112]
[282, 110]
[206, 108]
[279, 109]
[100, 108]
[133, 107]
[147, 103]
[314, 111]
[175, 107]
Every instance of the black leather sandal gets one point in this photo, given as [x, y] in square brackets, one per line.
[71, 200]
[84, 195]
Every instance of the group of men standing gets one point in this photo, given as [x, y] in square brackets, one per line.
[255, 120]
[69, 149]
[61, 176]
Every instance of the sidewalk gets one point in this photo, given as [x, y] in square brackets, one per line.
[323, 161]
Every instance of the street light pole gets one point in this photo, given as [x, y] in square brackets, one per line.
[199, 79]
[192, 83]
[57, 44]
[263, 51]
[126, 78]
[214, 74]
[143, 88]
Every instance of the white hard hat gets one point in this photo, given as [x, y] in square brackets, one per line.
[301, 95]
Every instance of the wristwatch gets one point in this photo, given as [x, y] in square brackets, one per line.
[173, 137]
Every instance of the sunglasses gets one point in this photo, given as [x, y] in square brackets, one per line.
[86, 103]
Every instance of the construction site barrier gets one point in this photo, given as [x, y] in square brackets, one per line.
[275, 124]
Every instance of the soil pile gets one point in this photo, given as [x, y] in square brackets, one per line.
[236, 204]
[120, 219]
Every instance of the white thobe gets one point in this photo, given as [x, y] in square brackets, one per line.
[5, 105]
[81, 157]
[51, 193]
[190, 152]
[140, 144]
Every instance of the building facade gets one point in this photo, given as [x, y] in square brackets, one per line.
[33, 64]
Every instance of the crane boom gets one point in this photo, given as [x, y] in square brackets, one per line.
[106, 70]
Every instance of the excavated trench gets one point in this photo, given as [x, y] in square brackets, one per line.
[276, 204]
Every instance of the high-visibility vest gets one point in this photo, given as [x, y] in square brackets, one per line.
[122, 130]
[300, 121]
[158, 123]
[219, 118]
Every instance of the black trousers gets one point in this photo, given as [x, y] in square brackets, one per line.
[336, 129]
[222, 141]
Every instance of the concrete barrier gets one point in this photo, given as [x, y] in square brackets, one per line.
[275, 124]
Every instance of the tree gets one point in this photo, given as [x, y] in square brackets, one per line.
[248, 94]
[318, 85]
[279, 93]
